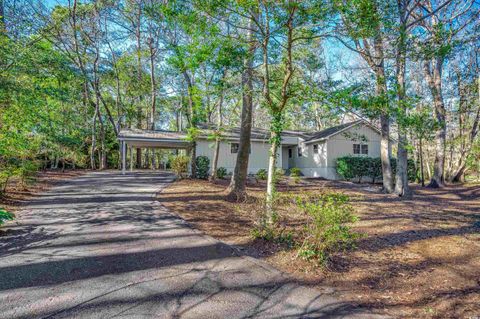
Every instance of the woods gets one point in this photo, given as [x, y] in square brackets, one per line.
[74, 73]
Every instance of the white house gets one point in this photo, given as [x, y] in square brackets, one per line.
[314, 153]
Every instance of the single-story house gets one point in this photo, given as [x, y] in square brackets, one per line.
[314, 153]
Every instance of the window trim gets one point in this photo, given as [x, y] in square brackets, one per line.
[360, 147]
[315, 148]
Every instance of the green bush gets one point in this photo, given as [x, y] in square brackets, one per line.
[327, 231]
[375, 169]
[4, 216]
[262, 174]
[221, 172]
[351, 167]
[203, 165]
[295, 172]
[279, 173]
[179, 165]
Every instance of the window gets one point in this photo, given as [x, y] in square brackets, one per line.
[290, 153]
[360, 149]
[364, 149]
[315, 148]
[299, 153]
[356, 148]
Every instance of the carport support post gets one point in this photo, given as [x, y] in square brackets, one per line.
[124, 149]
[131, 158]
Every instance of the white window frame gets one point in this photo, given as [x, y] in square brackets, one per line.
[361, 149]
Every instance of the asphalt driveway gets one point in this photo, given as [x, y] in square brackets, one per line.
[101, 246]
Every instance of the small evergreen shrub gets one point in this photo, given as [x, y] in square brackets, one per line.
[203, 166]
[262, 174]
[4, 216]
[221, 172]
[295, 172]
[179, 165]
[278, 175]
[327, 230]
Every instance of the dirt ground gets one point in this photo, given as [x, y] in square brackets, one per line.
[419, 258]
[16, 194]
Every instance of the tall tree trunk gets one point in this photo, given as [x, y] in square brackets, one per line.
[385, 149]
[139, 77]
[193, 119]
[433, 73]
[401, 175]
[277, 110]
[421, 162]
[377, 62]
[237, 188]
[153, 89]
[272, 165]
[94, 140]
[213, 172]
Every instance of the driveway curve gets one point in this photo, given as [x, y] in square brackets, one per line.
[101, 246]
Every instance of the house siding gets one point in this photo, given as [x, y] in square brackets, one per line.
[323, 164]
[258, 157]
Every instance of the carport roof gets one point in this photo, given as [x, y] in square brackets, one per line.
[149, 134]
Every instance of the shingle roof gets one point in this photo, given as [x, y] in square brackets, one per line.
[149, 134]
[330, 131]
[257, 133]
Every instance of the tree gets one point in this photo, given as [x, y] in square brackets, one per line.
[442, 26]
[363, 24]
[237, 188]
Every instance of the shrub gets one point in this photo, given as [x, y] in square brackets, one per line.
[279, 173]
[221, 172]
[327, 231]
[4, 216]
[350, 167]
[274, 229]
[375, 169]
[262, 174]
[179, 165]
[203, 166]
[295, 172]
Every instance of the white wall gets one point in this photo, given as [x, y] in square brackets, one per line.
[258, 157]
[323, 164]
[342, 144]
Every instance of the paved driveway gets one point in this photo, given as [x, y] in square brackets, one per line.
[100, 246]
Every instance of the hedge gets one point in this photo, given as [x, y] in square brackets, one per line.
[350, 167]
[203, 166]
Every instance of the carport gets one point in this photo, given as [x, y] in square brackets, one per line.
[137, 138]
